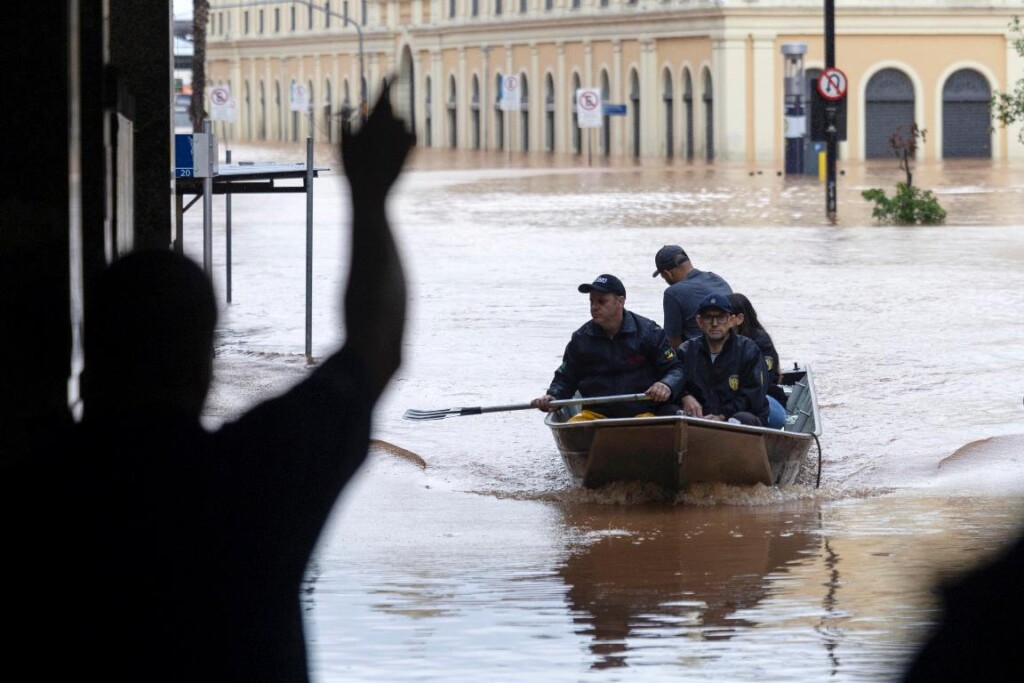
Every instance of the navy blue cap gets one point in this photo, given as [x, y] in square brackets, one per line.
[668, 257]
[604, 283]
[715, 301]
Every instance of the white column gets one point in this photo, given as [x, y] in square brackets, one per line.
[486, 111]
[537, 104]
[563, 118]
[462, 102]
[768, 102]
[650, 99]
[730, 98]
[1014, 75]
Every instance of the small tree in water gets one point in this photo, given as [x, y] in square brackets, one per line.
[1008, 107]
[910, 205]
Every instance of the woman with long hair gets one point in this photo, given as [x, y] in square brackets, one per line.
[748, 325]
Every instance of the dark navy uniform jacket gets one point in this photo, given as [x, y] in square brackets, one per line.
[734, 383]
[629, 363]
[771, 363]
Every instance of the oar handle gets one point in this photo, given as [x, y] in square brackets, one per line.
[558, 403]
[594, 400]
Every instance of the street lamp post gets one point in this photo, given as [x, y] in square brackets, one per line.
[350, 22]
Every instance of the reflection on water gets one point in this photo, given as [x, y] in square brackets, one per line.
[667, 572]
[463, 587]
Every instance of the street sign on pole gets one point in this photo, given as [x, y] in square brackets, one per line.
[299, 97]
[222, 104]
[589, 112]
[832, 84]
[511, 94]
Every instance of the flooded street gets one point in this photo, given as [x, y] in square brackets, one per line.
[461, 552]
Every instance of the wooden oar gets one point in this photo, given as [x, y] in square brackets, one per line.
[413, 414]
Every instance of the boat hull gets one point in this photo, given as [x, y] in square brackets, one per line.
[677, 451]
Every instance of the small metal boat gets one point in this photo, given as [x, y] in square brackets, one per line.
[677, 451]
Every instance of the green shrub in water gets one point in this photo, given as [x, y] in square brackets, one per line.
[909, 206]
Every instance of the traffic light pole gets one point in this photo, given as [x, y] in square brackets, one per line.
[831, 118]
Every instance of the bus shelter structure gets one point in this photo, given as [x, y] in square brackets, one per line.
[249, 178]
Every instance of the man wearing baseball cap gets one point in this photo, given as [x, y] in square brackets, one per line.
[616, 352]
[687, 286]
[724, 370]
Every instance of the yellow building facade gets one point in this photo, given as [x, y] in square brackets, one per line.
[700, 79]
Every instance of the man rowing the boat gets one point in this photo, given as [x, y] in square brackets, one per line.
[616, 352]
[724, 370]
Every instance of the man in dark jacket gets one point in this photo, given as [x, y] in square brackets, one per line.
[616, 352]
[724, 370]
[687, 286]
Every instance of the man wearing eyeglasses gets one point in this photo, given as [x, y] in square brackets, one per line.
[724, 370]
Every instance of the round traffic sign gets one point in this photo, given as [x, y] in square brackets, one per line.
[219, 95]
[832, 84]
[589, 100]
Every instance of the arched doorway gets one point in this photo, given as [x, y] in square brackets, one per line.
[709, 117]
[499, 116]
[634, 100]
[328, 112]
[261, 132]
[428, 113]
[888, 106]
[452, 114]
[524, 113]
[247, 112]
[549, 114]
[474, 113]
[606, 121]
[577, 133]
[966, 117]
[688, 111]
[281, 121]
[667, 98]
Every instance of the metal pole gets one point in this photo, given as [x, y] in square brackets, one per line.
[227, 228]
[208, 201]
[309, 250]
[831, 119]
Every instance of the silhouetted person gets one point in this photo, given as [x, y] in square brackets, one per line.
[188, 546]
[978, 633]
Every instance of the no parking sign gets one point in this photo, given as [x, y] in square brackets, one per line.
[222, 104]
[589, 113]
[511, 95]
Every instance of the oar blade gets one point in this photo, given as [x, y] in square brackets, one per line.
[413, 414]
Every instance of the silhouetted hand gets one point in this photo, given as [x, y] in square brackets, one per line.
[373, 156]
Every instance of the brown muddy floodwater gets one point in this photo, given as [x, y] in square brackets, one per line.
[461, 552]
